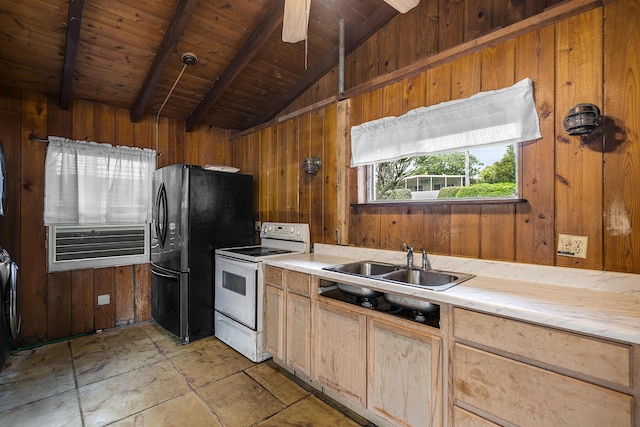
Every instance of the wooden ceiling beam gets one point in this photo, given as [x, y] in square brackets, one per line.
[74, 21]
[372, 25]
[172, 35]
[252, 46]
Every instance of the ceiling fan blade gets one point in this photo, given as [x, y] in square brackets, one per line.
[295, 22]
[402, 6]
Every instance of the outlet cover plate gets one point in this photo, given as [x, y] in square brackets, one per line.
[104, 299]
[572, 246]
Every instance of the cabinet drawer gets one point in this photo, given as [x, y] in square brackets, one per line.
[588, 356]
[525, 395]
[273, 276]
[298, 283]
[462, 418]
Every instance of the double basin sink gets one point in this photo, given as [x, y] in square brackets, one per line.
[426, 279]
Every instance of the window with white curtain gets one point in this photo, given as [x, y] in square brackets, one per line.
[97, 204]
[432, 152]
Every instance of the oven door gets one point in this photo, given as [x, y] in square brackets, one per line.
[236, 290]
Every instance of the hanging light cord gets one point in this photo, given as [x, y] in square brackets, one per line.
[165, 102]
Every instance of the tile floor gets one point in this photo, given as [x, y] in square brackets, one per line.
[141, 375]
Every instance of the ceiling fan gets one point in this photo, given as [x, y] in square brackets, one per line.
[296, 17]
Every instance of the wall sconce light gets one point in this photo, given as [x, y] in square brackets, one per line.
[583, 119]
[311, 165]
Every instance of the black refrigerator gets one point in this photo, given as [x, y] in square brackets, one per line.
[195, 211]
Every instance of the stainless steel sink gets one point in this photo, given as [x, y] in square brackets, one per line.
[431, 279]
[363, 268]
[428, 279]
[411, 303]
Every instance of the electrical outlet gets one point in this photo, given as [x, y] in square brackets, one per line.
[104, 299]
[572, 246]
[258, 226]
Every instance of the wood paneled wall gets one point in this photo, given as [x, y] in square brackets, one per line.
[576, 186]
[64, 304]
[588, 187]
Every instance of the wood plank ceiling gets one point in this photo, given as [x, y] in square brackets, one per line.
[128, 53]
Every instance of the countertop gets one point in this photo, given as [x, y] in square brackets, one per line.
[597, 303]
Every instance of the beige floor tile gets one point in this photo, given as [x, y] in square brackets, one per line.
[310, 411]
[240, 401]
[113, 356]
[37, 358]
[186, 410]
[20, 387]
[216, 361]
[278, 384]
[170, 344]
[121, 396]
[104, 341]
[59, 410]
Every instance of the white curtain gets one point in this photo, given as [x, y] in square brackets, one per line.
[496, 117]
[91, 183]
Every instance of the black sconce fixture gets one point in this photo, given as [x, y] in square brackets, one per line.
[583, 119]
[311, 165]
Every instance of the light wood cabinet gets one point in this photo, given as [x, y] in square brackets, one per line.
[404, 374]
[298, 326]
[288, 317]
[513, 372]
[340, 351]
[274, 321]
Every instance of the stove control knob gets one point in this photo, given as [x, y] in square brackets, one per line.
[269, 228]
[299, 232]
[292, 230]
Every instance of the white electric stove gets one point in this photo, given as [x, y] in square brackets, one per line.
[239, 286]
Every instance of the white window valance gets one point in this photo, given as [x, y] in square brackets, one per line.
[495, 117]
[91, 183]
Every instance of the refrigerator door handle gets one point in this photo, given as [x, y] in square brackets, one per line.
[161, 222]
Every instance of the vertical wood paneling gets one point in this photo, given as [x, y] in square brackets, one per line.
[316, 181]
[192, 147]
[370, 58]
[266, 144]
[303, 134]
[329, 173]
[142, 280]
[428, 24]
[103, 284]
[535, 220]
[82, 297]
[389, 48]
[579, 166]
[465, 220]
[407, 38]
[124, 295]
[33, 297]
[451, 28]
[477, 17]
[291, 184]
[58, 305]
[497, 222]
[622, 154]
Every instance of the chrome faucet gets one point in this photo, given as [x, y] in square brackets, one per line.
[426, 264]
[409, 255]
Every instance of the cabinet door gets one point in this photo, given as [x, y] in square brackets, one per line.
[274, 321]
[298, 326]
[525, 395]
[404, 375]
[340, 351]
